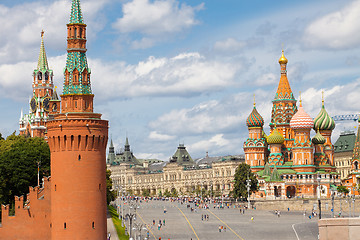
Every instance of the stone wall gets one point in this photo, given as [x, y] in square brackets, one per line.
[308, 205]
[339, 228]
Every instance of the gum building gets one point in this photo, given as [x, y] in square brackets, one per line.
[288, 162]
[71, 204]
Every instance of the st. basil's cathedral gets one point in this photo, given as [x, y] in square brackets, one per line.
[288, 162]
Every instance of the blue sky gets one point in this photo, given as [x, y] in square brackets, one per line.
[171, 71]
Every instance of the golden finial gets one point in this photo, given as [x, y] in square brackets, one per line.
[283, 59]
[254, 100]
[55, 87]
[42, 33]
[322, 93]
[300, 99]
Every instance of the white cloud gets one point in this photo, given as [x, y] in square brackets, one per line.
[186, 74]
[22, 24]
[266, 79]
[336, 30]
[160, 137]
[156, 18]
[214, 142]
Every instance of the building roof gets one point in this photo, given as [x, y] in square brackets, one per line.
[182, 157]
[76, 15]
[323, 121]
[345, 142]
[255, 119]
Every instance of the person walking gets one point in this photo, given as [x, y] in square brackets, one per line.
[164, 222]
[109, 236]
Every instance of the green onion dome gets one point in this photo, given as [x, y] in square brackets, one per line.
[255, 119]
[275, 137]
[318, 138]
[323, 121]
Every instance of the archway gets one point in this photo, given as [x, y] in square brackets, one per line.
[290, 191]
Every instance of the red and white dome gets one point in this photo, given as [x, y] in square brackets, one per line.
[301, 120]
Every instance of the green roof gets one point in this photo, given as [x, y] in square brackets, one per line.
[345, 143]
[76, 15]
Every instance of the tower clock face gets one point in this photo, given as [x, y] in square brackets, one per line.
[46, 103]
[33, 104]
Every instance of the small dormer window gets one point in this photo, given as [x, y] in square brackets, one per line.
[40, 76]
[46, 76]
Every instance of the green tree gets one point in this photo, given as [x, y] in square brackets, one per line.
[18, 165]
[110, 194]
[242, 173]
[173, 192]
[167, 193]
[342, 189]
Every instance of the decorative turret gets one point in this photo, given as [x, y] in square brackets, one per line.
[43, 88]
[284, 107]
[325, 124]
[77, 95]
[318, 138]
[255, 146]
[255, 119]
[302, 151]
[275, 138]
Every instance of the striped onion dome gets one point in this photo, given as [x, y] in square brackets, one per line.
[318, 138]
[323, 121]
[275, 137]
[301, 120]
[255, 119]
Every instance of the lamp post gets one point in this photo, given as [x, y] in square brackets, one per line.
[131, 216]
[332, 203]
[248, 184]
[139, 227]
[318, 194]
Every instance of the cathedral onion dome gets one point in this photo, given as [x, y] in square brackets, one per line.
[318, 138]
[301, 120]
[255, 119]
[275, 137]
[283, 59]
[323, 121]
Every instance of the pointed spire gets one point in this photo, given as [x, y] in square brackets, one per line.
[42, 62]
[127, 145]
[254, 101]
[21, 114]
[300, 99]
[76, 15]
[284, 89]
[322, 97]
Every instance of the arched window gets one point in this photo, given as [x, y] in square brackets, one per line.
[356, 164]
[75, 32]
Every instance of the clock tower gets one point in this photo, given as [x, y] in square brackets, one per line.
[42, 100]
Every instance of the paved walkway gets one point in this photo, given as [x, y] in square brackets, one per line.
[111, 228]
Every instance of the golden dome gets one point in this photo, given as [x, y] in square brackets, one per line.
[283, 59]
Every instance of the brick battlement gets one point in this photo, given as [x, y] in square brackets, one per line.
[33, 215]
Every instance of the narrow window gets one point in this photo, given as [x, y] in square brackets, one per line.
[100, 186]
[55, 188]
[75, 32]
[64, 225]
[79, 157]
[93, 225]
[75, 104]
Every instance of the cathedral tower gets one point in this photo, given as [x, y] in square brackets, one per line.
[255, 147]
[284, 107]
[302, 151]
[325, 124]
[77, 140]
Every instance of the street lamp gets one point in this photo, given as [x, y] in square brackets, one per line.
[131, 216]
[139, 227]
[318, 195]
[248, 184]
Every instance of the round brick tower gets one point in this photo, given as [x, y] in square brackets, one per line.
[77, 138]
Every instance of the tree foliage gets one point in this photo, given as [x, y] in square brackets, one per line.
[242, 173]
[342, 189]
[18, 165]
[110, 194]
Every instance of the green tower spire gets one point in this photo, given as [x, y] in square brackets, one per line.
[76, 15]
[77, 73]
[42, 62]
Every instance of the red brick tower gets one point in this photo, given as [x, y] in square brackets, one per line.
[77, 140]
